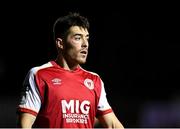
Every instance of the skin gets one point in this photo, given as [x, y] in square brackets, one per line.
[72, 52]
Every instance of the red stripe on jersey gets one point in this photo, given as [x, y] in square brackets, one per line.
[100, 113]
[25, 110]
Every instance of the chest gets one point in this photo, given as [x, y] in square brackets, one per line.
[72, 88]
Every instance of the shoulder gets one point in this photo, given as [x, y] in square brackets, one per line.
[36, 69]
[89, 72]
[92, 75]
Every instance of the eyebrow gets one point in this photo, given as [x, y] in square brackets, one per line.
[80, 35]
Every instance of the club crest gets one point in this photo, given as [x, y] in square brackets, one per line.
[89, 83]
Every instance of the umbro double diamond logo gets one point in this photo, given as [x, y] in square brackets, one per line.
[56, 81]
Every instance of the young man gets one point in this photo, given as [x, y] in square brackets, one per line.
[60, 93]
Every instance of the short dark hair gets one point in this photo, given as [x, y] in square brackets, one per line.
[62, 24]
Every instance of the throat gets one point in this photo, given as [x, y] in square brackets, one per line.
[64, 64]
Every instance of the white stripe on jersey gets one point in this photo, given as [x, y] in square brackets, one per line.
[89, 71]
[31, 98]
[103, 103]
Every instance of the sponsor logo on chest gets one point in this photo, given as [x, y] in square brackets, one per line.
[75, 111]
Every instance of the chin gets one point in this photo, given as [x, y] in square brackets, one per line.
[82, 61]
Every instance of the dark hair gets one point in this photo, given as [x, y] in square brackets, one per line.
[62, 24]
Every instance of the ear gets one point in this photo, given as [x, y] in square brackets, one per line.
[59, 43]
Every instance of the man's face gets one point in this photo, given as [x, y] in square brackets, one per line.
[76, 45]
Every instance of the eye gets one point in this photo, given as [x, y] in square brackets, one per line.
[77, 37]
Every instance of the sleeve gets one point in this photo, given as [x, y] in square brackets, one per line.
[30, 100]
[103, 105]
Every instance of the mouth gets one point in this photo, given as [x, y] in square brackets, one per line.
[84, 52]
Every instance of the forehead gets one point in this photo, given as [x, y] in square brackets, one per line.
[78, 30]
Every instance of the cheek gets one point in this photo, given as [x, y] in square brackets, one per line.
[75, 46]
[72, 50]
[73, 43]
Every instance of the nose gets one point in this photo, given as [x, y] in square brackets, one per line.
[85, 42]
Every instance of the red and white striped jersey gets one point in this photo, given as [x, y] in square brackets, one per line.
[63, 99]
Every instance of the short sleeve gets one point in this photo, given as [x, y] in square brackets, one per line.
[30, 100]
[103, 105]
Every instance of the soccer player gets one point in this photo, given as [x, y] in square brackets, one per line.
[60, 93]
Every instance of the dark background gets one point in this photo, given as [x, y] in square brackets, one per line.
[134, 47]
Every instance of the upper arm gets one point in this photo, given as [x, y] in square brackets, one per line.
[30, 101]
[26, 120]
[103, 106]
[110, 121]
[105, 114]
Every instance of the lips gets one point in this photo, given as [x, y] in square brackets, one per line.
[84, 52]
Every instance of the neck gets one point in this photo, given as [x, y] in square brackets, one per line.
[65, 64]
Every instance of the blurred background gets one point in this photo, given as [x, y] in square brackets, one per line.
[134, 47]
